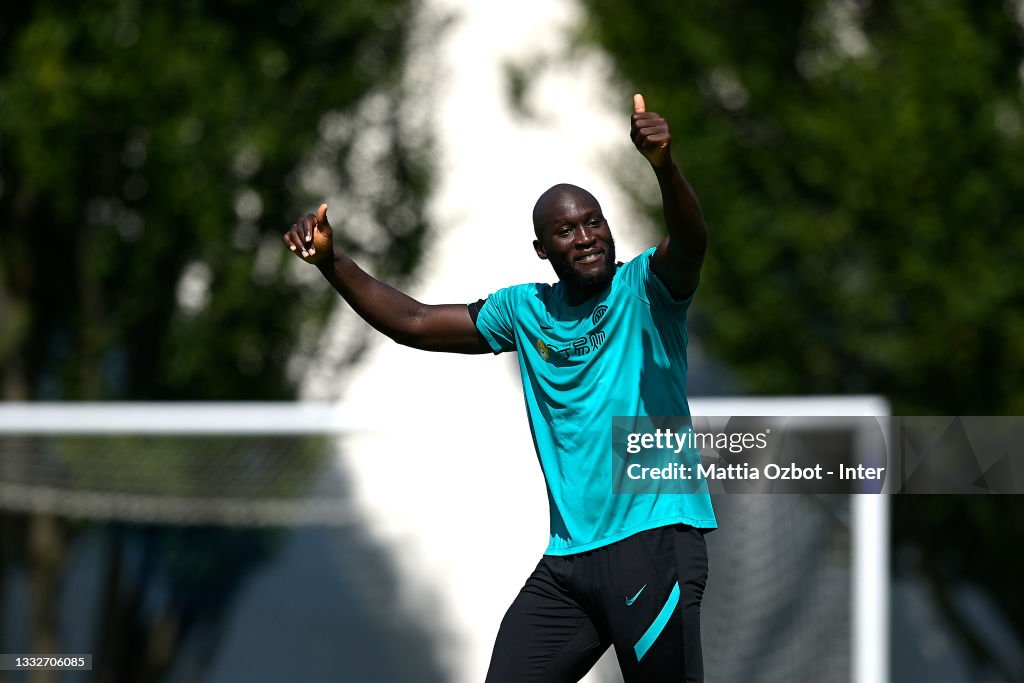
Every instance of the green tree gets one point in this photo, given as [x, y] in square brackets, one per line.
[859, 167]
[151, 155]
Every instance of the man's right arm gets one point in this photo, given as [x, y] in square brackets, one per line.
[447, 327]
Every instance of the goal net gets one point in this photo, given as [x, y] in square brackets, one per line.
[798, 582]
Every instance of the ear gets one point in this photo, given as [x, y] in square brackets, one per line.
[539, 248]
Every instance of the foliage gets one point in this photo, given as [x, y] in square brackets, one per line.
[965, 542]
[151, 155]
[859, 167]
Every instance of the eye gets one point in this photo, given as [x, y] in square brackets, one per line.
[592, 222]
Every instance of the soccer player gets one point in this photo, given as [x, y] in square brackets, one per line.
[608, 339]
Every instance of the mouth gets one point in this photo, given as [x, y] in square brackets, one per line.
[589, 256]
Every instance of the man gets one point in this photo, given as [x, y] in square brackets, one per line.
[609, 339]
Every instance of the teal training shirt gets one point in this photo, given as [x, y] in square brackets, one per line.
[620, 353]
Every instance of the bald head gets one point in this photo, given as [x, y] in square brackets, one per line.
[553, 202]
[573, 235]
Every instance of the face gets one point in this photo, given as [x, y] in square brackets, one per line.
[573, 234]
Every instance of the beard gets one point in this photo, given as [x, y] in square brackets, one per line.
[572, 277]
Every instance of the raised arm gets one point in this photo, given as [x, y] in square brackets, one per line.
[679, 256]
[407, 321]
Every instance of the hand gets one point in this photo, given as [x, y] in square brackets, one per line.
[649, 132]
[311, 237]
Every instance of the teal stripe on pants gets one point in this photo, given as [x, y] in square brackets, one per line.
[658, 625]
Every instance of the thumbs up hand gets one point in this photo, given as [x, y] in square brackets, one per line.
[649, 132]
[311, 237]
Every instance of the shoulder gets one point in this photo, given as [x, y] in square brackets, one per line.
[635, 273]
[640, 263]
[510, 303]
[521, 293]
[639, 277]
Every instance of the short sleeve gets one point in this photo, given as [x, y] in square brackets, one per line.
[496, 319]
[638, 276]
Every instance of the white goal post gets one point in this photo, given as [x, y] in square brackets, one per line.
[870, 523]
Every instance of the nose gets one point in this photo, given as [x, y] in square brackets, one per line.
[583, 235]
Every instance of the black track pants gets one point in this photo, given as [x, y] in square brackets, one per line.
[641, 594]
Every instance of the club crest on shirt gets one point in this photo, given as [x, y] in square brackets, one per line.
[542, 348]
[598, 314]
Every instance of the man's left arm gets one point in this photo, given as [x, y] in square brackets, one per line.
[678, 258]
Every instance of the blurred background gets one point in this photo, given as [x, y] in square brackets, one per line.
[860, 166]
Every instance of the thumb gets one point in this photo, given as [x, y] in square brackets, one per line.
[321, 216]
[638, 104]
